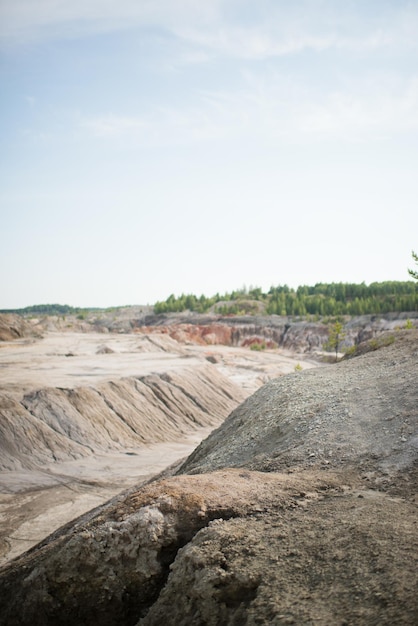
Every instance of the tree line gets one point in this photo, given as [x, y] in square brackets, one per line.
[44, 309]
[49, 309]
[322, 299]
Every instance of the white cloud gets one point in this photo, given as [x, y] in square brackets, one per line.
[21, 20]
[252, 42]
[355, 115]
[298, 27]
[271, 109]
[114, 126]
[214, 26]
[262, 102]
[164, 126]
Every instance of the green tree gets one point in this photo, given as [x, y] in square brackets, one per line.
[335, 338]
[414, 273]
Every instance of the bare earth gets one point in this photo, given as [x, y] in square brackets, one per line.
[300, 508]
[35, 502]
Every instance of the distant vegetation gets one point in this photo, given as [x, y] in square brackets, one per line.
[320, 300]
[48, 309]
[323, 299]
[44, 309]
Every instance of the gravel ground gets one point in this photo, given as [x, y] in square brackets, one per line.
[362, 411]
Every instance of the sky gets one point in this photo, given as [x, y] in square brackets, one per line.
[151, 147]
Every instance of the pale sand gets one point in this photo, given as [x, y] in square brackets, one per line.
[34, 504]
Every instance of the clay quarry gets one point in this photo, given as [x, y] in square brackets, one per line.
[162, 471]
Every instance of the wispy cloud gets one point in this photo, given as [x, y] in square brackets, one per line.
[114, 126]
[165, 126]
[270, 110]
[214, 27]
[357, 115]
[276, 107]
[38, 19]
[252, 42]
[271, 99]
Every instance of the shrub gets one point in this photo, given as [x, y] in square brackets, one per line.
[258, 346]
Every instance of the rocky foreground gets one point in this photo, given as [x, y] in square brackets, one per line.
[301, 508]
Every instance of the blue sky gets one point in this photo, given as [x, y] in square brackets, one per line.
[184, 146]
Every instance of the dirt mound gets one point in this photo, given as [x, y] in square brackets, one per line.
[56, 424]
[361, 412]
[325, 534]
[15, 327]
[104, 349]
[159, 342]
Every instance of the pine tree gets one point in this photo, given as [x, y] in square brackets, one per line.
[335, 338]
[414, 273]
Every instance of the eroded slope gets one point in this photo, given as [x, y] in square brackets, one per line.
[53, 424]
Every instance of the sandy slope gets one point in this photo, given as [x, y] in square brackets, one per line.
[37, 495]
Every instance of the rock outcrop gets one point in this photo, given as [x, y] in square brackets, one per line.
[325, 533]
[291, 333]
[273, 330]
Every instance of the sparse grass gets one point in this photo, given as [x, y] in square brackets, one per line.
[258, 346]
[351, 351]
[369, 346]
[381, 342]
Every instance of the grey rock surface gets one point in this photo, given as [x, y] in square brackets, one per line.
[362, 411]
